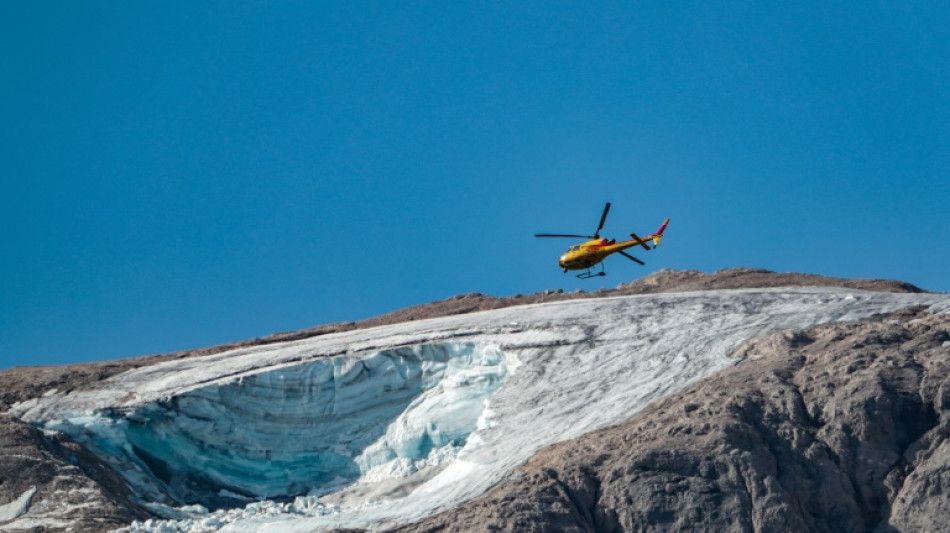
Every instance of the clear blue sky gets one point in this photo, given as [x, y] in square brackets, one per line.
[182, 174]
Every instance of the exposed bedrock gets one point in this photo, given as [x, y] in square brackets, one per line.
[842, 427]
[298, 428]
[61, 483]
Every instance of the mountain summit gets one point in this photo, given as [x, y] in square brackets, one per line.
[734, 401]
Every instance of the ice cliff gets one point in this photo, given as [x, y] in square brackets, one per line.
[382, 426]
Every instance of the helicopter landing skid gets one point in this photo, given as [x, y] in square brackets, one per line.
[589, 274]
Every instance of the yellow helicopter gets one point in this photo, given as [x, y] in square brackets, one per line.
[583, 256]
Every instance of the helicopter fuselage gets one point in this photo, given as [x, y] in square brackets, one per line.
[583, 256]
[588, 254]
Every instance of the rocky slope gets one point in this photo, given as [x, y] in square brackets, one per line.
[843, 427]
[65, 487]
[838, 427]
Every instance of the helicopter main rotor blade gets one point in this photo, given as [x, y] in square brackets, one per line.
[560, 235]
[603, 218]
[628, 256]
[643, 243]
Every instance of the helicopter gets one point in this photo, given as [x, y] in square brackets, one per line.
[584, 256]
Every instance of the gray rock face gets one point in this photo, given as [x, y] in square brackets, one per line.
[51, 483]
[840, 428]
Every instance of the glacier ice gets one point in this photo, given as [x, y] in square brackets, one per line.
[298, 429]
[384, 425]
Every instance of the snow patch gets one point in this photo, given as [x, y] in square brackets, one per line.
[17, 507]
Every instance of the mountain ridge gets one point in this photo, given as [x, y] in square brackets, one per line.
[56, 458]
[22, 382]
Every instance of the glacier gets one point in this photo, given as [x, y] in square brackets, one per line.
[227, 443]
[376, 427]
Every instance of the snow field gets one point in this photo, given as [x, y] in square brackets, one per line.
[390, 424]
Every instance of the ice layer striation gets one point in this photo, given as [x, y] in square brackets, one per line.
[381, 426]
[297, 429]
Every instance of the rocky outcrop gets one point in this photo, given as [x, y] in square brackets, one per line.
[843, 427]
[50, 483]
